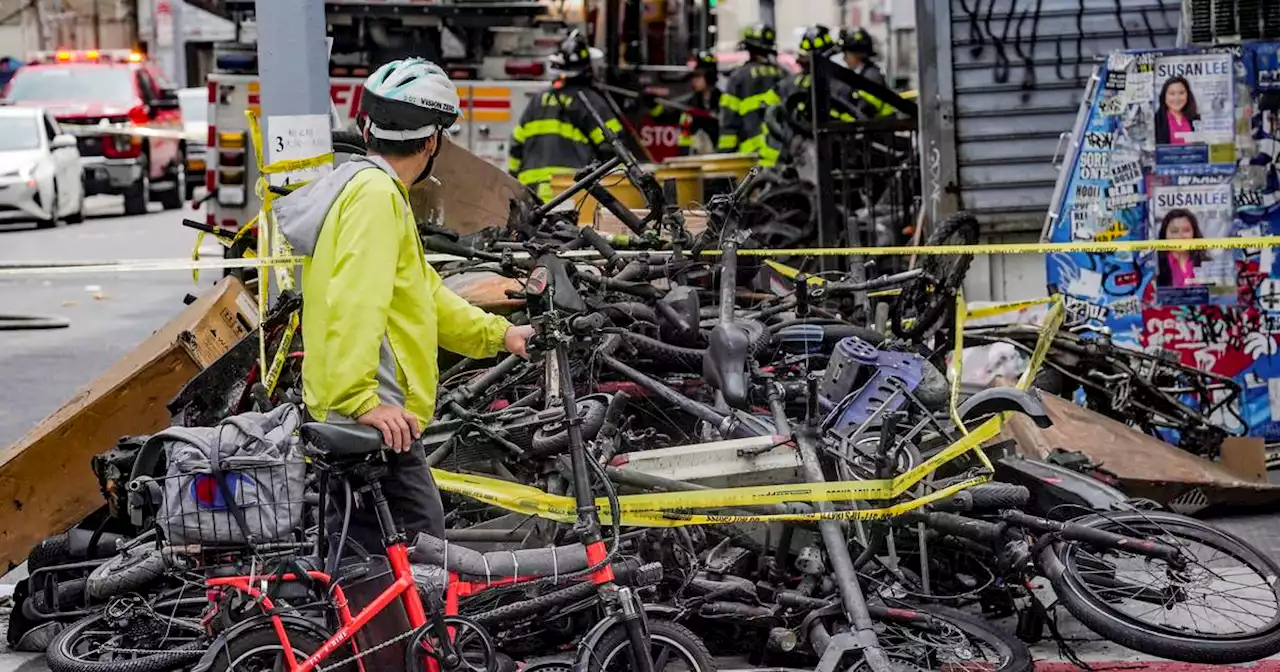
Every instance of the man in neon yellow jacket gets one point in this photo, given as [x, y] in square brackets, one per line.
[374, 312]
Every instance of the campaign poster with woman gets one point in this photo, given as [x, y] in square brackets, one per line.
[1182, 211]
[1194, 112]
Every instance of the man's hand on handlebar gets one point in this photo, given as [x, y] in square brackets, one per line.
[516, 340]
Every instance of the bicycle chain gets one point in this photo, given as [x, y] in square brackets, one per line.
[325, 668]
[362, 654]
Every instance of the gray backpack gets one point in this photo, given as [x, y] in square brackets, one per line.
[239, 481]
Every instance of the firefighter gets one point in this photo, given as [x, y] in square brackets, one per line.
[556, 134]
[704, 117]
[742, 104]
[817, 42]
[859, 51]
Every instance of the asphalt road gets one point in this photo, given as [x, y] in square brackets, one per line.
[110, 313]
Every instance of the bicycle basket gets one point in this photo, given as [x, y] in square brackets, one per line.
[240, 481]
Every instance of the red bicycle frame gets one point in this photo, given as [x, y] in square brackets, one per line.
[403, 588]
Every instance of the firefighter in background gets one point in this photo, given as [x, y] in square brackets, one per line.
[742, 105]
[859, 51]
[556, 134]
[817, 42]
[704, 101]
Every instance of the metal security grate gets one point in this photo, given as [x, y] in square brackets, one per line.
[1229, 21]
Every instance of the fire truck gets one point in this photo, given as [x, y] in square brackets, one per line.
[495, 50]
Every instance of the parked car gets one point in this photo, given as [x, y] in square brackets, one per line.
[195, 122]
[115, 87]
[39, 169]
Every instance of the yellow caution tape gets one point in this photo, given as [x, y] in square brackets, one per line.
[672, 509]
[273, 246]
[1239, 243]
[7, 268]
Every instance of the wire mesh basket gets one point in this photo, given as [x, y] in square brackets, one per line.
[242, 504]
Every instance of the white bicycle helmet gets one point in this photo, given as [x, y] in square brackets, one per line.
[409, 99]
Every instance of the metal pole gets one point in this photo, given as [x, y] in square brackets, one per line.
[176, 7]
[40, 32]
[97, 24]
[293, 69]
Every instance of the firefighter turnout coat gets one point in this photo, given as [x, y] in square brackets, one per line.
[557, 135]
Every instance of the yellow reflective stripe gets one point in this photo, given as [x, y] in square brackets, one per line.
[513, 164]
[727, 141]
[758, 101]
[684, 140]
[657, 110]
[544, 191]
[535, 175]
[563, 129]
[768, 155]
[883, 109]
[597, 135]
[730, 102]
[752, 144]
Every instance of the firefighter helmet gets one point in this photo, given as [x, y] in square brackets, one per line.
[857, 41]
[574, 56]
[817, 40]
[759, 38]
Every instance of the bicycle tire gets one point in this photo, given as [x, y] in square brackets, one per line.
[1107, 621]
[301, 641]
[55, 550]
[661, 631]
[553, 437]
[26, 322]
[61, 658]
[126, 572]
[931, 302]
[1016, 656]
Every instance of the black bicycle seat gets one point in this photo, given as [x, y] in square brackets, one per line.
[348, 440]
[725, 364]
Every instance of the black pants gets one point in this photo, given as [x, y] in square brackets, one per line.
[411, 493]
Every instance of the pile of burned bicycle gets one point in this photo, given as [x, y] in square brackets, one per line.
[702, 461]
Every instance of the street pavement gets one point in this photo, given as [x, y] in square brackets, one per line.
[110, 313]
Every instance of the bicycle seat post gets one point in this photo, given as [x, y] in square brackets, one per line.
[372, 475]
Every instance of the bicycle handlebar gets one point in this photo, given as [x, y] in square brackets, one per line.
[872, 284]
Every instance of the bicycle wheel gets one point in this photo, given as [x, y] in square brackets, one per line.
[1223, 607]
[674, 649]
[924, 301]
[111, 643]
[938, 638]
[260, 650]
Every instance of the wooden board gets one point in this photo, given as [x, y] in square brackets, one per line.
[472, 193]
[46, 484]
[1146, 466]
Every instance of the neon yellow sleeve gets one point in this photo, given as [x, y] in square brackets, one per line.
[359, 295]
[463, 328]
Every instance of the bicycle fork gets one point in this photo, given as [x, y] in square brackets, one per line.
[619, 601]
[863, 638]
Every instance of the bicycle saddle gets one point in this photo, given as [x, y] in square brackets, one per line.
[342, 439]
[725, 364]
[526, 562]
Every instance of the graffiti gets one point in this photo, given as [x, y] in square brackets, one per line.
[1124, 196]
[1099, 141]
[1114, 232]
[1082, 310]
[1094, 166]
[935, 180]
